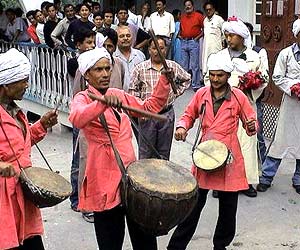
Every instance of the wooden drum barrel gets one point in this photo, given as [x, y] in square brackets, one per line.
[159, 194]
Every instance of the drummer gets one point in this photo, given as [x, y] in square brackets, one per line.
[224, 106]
[100, 190]
[21, 221]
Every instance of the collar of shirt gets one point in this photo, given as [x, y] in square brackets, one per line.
[162, 14]
[150, 66]
[12, 109]
[225, 96]
[119, 54]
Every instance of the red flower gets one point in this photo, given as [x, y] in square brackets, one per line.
[251, 80]
[232, 18]
[295, 89]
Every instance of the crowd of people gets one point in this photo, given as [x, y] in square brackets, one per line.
[118, 60]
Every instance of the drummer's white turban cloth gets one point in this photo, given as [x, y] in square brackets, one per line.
[219, 61]
[236, 26]
[88, 59]
[296, 27]
[14, 66]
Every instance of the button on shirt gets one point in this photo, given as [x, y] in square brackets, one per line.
[145, 77]
[136, 57]
[162, 25]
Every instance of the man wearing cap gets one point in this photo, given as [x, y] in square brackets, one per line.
[219, 107]
[244, 59]
[285, 144]
[100, 191]
[20, 220]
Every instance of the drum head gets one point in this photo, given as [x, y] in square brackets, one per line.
[49, 181]
[210, 155]
[161, 176]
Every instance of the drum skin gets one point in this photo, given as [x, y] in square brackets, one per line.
[43, 187]
[158, 194]
[210, 155]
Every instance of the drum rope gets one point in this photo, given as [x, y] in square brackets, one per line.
[201, 112]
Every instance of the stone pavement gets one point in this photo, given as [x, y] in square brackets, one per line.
[269, 222]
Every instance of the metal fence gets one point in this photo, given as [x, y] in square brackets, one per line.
[50, 84]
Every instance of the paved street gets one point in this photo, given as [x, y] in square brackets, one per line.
[269, 222]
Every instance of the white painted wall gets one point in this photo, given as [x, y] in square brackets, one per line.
[244, 9]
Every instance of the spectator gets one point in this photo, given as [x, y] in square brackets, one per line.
[162, 23]
[213, 36]
[144, 18]
[98, 21]
[40, 18]
[139, 37]
[43, 9]
[176, 44]
[191, 30]
[129, 56]
[109, 19]
[61, 28]
[57, 4]
[16, 30]
[132, 17]
[96, 7]
[3, 21]
[31, 30]
[50, 24]
[81, 23]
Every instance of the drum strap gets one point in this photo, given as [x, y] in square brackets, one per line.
[201, 113]
[116, 152]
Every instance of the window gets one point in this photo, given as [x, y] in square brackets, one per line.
[258, 12]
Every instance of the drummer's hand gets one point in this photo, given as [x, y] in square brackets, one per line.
[180, 134]
[113, 101]
[49, 119]
[251, 125]
[7, 170]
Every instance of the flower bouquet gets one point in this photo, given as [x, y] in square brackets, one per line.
[295, 89]
[251, 80]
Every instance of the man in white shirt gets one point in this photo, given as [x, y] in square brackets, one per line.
[40, 18]
[129, 56]
[212, 33]
[162, 22]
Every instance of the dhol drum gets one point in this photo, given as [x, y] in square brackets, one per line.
[43, 187]
[158, 194]
[211, 155]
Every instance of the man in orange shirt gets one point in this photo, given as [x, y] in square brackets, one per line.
[191, 30]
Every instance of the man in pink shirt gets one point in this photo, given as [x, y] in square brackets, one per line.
[100, 189]
[20, 220]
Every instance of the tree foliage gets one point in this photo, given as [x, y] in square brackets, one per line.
[10, 3]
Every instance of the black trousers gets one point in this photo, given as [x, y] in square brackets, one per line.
[33, 243]
[110, 231]
[226, 225]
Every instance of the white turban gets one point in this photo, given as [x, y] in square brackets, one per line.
[88, 59]
[220, 61]
[236, 26]
[296, 27]
[14, 66]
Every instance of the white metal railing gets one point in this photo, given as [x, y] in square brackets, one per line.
[50, 84]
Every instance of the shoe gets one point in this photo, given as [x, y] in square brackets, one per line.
[88, 217]
[215, 194]
[250, 192]
[297, 188]
[262, 187]
[75, 208]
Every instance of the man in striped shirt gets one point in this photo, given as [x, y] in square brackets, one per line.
[143, 79]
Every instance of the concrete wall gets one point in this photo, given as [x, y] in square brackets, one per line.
[244, 9]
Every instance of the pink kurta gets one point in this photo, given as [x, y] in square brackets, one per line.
[19, 218]
[100, 187]
[222, 127]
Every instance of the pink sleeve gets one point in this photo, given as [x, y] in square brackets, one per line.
[83, 112]
[191, 112]
[155, 102]
[37, 132]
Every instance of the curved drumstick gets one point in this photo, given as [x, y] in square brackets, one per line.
[163, 60]
[132, 109]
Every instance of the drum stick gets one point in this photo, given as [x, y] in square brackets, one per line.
[144, 113]
[163, 60]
